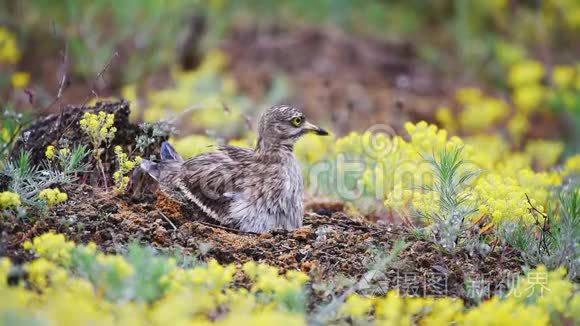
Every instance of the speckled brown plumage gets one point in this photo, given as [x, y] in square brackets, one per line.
[251, 190]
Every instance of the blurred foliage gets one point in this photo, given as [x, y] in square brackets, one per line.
[148, 32]
[70, 284]
[11, 124]
[95, 30]
[533, 91]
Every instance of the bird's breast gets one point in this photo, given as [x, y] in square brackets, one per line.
[274, 201]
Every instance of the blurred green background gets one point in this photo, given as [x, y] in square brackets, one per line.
[350, 64]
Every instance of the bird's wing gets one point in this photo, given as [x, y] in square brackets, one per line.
[237, 153]
[211, 181]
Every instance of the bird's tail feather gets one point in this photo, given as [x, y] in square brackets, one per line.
[170, 163]
[169, 153]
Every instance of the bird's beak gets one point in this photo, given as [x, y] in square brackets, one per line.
[314, 129]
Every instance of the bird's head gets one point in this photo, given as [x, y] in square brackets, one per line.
[283, 125]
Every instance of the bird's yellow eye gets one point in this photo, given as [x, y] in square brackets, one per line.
[297, 121]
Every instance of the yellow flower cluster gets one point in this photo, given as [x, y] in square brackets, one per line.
[410, 171]
[125, 166]
[194, 145]
[569, 10]
[247, 141]
[59, 294]
[51, 152]
[9, 52]
[393, 309]
[479, 112]
[114, 265]
[536, 298]
[503, 198]
[565, 76]
[427, 138]
[5, 266]
[551, 291]
[506, 178]
[526, 72]
[213, 278]
[545, 153]
[99, 127]
[20, 79]
[572, 166]
[9, 199]
[51, 246]
[53, 196]
[267, 280]
[42, 272]
[201, 92]
[312, 149]
[445, 116]
[529, 93]
[206, 98]
[396, 171]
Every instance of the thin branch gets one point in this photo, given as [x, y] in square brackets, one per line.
[227, 109]
[534, 208]
[228, 229]
[91, 90]
[225, 106]
[545, 227]
[64, 81]
[167, 219]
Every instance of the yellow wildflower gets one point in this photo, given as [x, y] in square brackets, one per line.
[311, 149]
[483, 114]
[53, 196]
[550, 290]
[99, 127]
[50, 152]
[9, 52]
[468, 95]
[53, 247]
[357, 306]
[563, 76]
[509, 53]
[518, 126]
[117, 264]
[445, 117]
[527, 98]
[9, 199]
[64, 151]
[572, 165]
[194, 145]
[498, 312]
[5, 266]
[125, 166]
[545, 152]
[527, 72]
[20, 79]
[540, 298]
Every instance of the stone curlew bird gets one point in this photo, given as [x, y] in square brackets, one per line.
[253, 190]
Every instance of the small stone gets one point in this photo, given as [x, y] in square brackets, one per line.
[309, 265]
[304, 234]
[160, 235]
